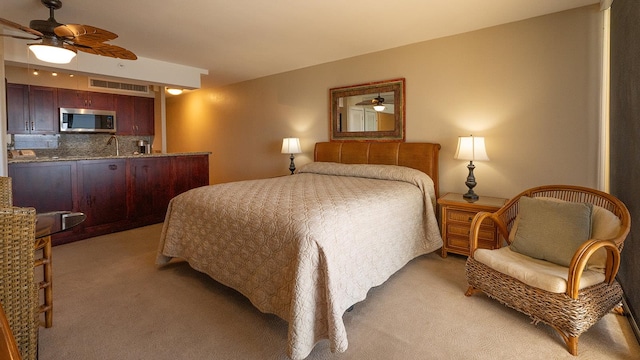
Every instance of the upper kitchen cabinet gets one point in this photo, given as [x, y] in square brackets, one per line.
[31, 109]
[17, 108]
[79, 99]
[134, 115]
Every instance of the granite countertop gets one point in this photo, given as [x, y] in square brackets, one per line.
[90, 157]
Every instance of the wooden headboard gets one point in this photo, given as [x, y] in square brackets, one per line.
[420, 156]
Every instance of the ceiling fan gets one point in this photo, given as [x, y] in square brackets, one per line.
[67, 40]
[377, 102]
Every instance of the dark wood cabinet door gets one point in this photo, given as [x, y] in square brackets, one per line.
[124, 115]
[135, 115]
[46, 186]
[189, 172]
[102, 189]
[144, 115]
[69, 98]
[80, 99]
[150, 188]
[32, 109]
[100, 101]
[17, 109]
[43, 106]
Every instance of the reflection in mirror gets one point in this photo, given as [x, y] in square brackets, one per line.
[373, 111]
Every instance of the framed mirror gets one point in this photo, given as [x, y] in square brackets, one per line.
[372, 111]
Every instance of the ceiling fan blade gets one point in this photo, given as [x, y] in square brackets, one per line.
[84, 34]
[103, 50]
[20, 37]
[21, 27]
[368, 102]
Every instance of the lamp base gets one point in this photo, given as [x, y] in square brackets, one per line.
[471, 183]
[471, 196]
[292, 165]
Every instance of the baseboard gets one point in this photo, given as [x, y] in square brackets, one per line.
[632, 320]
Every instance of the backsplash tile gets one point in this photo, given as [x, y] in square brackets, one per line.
[78, 144]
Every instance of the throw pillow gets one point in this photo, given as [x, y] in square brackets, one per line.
[551, 230]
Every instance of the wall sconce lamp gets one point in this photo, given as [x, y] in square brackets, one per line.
[291, 146]
[471, 148]
[52, 50]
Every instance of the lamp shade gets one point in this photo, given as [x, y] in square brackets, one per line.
[291, 146]
[52, 54]
[378, 107]
[471, 148]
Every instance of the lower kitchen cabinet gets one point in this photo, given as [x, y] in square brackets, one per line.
[150, 188]
[45, 186]
[189, 172]
[102, 190]
[115, 194]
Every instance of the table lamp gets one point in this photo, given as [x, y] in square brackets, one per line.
[291, 146]
[471, 148]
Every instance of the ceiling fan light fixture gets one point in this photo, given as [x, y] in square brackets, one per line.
[378, 107]
[52, 54]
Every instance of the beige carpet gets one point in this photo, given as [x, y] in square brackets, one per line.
[111, 302]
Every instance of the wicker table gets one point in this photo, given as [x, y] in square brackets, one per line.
[47, 224]
[456, 214]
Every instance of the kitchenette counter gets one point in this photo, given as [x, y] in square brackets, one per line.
[92, 157]
[115, 192]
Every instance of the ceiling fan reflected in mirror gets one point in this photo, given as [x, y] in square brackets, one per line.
[59, 43]
[377, 102]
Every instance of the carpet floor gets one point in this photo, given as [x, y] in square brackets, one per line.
[112, 302]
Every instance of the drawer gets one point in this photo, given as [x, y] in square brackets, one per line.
[486, 233]
[465, 217]
[462, 243]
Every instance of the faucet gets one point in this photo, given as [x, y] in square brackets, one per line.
[113, 137]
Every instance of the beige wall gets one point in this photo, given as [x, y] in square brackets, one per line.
[531, 88]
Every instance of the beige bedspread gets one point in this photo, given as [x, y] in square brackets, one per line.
[306, 246]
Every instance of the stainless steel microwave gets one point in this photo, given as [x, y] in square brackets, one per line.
[87, 120]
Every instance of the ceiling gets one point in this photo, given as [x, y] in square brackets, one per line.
[237, 40]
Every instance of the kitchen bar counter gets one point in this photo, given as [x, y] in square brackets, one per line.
[94, 157]
[115, 192]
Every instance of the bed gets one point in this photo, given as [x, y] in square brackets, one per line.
[306, 247]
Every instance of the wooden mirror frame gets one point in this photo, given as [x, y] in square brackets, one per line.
[397, 86]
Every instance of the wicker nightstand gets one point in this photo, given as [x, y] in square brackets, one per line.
[456, 214]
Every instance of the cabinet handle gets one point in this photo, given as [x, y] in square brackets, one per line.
[113, 167]
[33, 125]
[26, 126]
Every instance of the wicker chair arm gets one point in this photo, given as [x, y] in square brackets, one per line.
[582, 255]
[475, 229]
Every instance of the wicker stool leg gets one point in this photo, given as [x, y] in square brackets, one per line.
[46, 283]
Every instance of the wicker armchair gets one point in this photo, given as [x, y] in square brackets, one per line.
[18, 290]
[587, 295]
[8, 346]
[6, 194]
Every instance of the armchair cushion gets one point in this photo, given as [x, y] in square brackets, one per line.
[604, 225]
[537, 273]
[551, 230]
